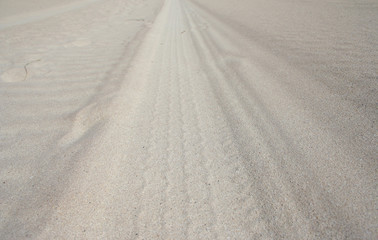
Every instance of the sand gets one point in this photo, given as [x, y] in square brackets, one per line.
[188, 119]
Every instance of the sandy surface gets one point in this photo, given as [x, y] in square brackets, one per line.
[188, 119]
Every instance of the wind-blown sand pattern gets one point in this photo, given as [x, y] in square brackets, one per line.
[188, 119]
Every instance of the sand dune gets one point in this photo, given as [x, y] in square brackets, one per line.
[187, 119]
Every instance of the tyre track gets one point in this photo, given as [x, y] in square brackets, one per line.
[194, 130]
[151, 220]
[223, 157]
[229, 149]
[229, 99]
[177, 220]
[150, 108]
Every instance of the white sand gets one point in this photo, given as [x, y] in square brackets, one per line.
[188, 119]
